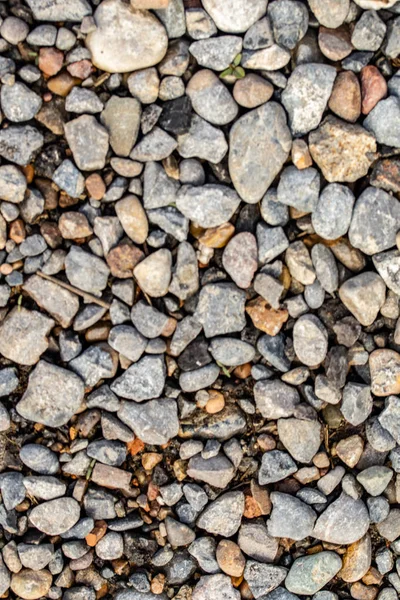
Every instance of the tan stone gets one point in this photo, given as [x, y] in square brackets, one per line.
[215, 403]
[95, 186]
[265, 318]
[149, 5]
[384, 366]
[357, 560]
[301, 157]
[31, 585]
[122, 259]
[345, 100]
[217, 237]
[50, 61]
[110, 477]
[133, 218]
[62, 84]
[349, 450]
[74, 225]
[252, 91]
[335, 44]
[359, 591]
[230, 558]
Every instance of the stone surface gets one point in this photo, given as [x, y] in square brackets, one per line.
[154, 422]
[23, 335]
[309, 574]
[208, 205]
[363, 295]
[88, 141]
[345, 521]
[234, 16]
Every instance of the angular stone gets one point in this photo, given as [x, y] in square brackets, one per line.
[19, 103]
[275, 399]
[345, 521]
[306, 96]
[202, 141]
[208, 205]
[260, 143]
[357, 560]
[240, 259]
[121, 117]
[185, 279]
[86, 271]
[308, 574]
[20, 144]
[375, 479]
[125, 39]
[256, 542]
[156, 145]
[332, 145]
[154, 422]
[60, 303]
[23, 335]
[154, 273]
[69, 179]
[301, 438]
[221, 309]
[44, 398]
[12, 184]
[299, 188]
[159, 189]
[262, 578]
[231, 352]
[143, 380]
[272, 241]
[218, 585]
[216, 53]
[357, 403]
[57, 10]
[223, 516]
[88, 141]
[235, 16]
[290, 517]
[364, 295]
[384, 121]
[390, 417]
[217, 471]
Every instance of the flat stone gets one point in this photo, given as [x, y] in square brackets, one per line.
[23, 335]
[240, 259]
[216, 53]
[154, 422]
[20, 144]
[154, 273]
[56, 516]
[357, 403]
[44, 398]
[133, 218]
[39, 458]
[81, 100]
[363, 295]
[255, 541]
[308, 574]
[389, 417]
[121, 117]
[114, 43]
[44, 488]
[252, 91]
[19, 103]
[231, 352]
[208, 205]
[306, 96]
[31, 585]
[301, 438]
[299, 188]
[143, 380]
[202, 140]
[223, 516]
[86, 271]
[60, 303]
[332, 145]
[310, 340]
[262, 578]
[332, 13]
[260, 143]
[335, 44]
[275, 399]
[198, 379]
[217, 471]
[275, 466]
[88, 141]
[345, 100]
[290, 517]
[69, 179]
[345, 521]
[219, 584]
[235, 16]
[383, 121]
[375, 479]
[108, 452]
[272, 58]
[12, 184]
[332, 216]
[221, 309]
[375, 221]
[57, 10]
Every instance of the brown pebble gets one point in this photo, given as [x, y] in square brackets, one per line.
[335, 44]
[301, 157]
[265, 318]
[252, 91]
[243, 371]
[230, 558]
[6, 269]
[345, 100]
[17, 231]
[215, 403]
[217, 237]
[359, 591]
[150, 460]
[62, 84]
[97, 533]
[98, 332]
[122, 259]
[81, 69]
[373, 88]
[372, 577]
[266, 442]
[321, 460]
[74, 225]
[95, 186]
[50, 61]
[157, 584]
[51, 234]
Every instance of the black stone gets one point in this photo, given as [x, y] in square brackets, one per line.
[176, 115]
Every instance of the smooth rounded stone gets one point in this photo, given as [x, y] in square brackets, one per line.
[154, 422]
[199, 379]
[390, 527]
[345, 521]
[383, 121]
[44, 488]
[231, 352]
[121, 117]
[5, 578]
[262, 578]
[259, 35]
[143, 380]
[223, 516]
[379, 438]
[86, 271]
[240, 258]
[144, 85]
[388, 266]
[332, 13]
[5, 420]
[310, 340]
[88, 142]
[31, 585]
[345, 100]
[230, 558]
[301, 438]
[290, 517]
[216, 53]
[20, 144]
[255, 541]
[125, 39]
[35, 557]
[154, 273]
[260, 143]
[357, 560]
[127, 341]
[306, 96]
[309, 574]
[12, 184]
[221, 309]
[375, 479]
[378, 508]
[357, 403]
[325, 267]
[252, 91]
[12, 489]
[44, 399]
[56, 516]
[289, 22]
[299, 263]
[374, 88]
[81, 100]
[210, 98]
[364, 295]
[215, 586]
[343, 151]
[332, 216]
[217, 471]
[275, 399]
[390, 416]
[14, 30]
[299, 188]
[110, 547]
[369, 32]
[235, 16]
[271, 59]
[19, 103]
[43, 35]
[208, 205]
[39, 458]
[375, 221]
[133, 218]
[335, 44]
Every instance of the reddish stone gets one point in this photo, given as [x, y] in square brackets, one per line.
[50, 61]
[345, 100]
[335, 44]
[386, 175]
[81, 69]
[123, 259]
[373, 88]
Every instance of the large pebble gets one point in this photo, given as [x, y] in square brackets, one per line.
[309, 574]
[223, 516]
[235, 16]
[31, 585]
[143, 380]
[88, 141]
[364, 296]
[301, 438]
[345, 521]
[208, 205]
[154, 273]
[290, 517]
[221, 309]
[384, 365]
[240, 259]
[56, 516]
[154, 422]
[58, 10]
[211, 99]
[215, 586]
[125, 39]
[310, 340]
[23, 335]
[332, 216]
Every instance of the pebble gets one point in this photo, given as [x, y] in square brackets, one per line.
[240, 259]
[363, 295]
[121, 117]
[220, 309]
[31, 585]
[143, 380]
[263, 578]
[300, 438]
[209, 585]
[345, 521]
[252, 91]
[23, 335]
[19, 103]
[289, 22]
[333, 214]
[236, 16]
[357, 402]
[86, 271]
[383, 121]
[56, 516]
[154, 422]
[309, 574]
[12, 184]
[332, 14]
[255, 541]
[272, 58]
[223, 516]
[20, 144]
[88, 141]
[369, 32]
[290, 517]
[153, 274]
[216, 53]
[211, 99]
[345, 100]
[108, 43]
[310, 340]
[202, 140]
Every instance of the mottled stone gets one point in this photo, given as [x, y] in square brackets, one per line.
[56, 516]
[154, 422]
[384, 120]
[290, 517]
[363, 295]
[221, 309]
[332, 216]
[208, 205]
[263, 578]
[345, 521]
[23, 335]
[234, 16]
[223, 516]
[345, 100]
[309, 574]
[240, 259]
